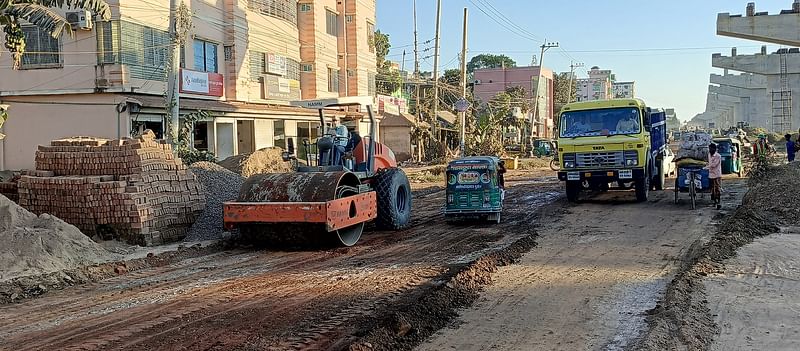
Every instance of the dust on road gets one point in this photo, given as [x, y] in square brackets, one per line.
[598, 267]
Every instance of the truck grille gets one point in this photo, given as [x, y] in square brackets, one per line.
[600, 159]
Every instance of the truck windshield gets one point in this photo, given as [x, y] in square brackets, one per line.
[610, 121]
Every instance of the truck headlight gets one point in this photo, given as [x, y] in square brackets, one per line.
[631, 158]
[450, 199]
[569, 164]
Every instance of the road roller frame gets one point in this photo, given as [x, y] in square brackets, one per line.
[335, 214]
[338, 198]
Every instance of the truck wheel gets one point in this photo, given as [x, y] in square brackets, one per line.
[642, 189]
[660, 179]
[394, 199]
[573, 191]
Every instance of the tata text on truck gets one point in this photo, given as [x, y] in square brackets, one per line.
[612, 144]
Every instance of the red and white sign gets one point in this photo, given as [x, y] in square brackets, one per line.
[203, 83]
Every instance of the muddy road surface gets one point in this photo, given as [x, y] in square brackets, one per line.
[599, 266]
[256, 299]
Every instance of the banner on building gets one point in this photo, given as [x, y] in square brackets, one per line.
[203, 83]
[277, 88]
[276, 64]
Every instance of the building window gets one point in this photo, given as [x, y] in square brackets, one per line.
[333, 80]
[305, 7]
[144, 50]
[205, 56]
[282, 9]
[228, 52]
[332, 23]
[155, 49]
[306, 67]
[348, 18]
[45, 51]
[371, 37]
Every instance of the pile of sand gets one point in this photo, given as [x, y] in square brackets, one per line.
[33, 245]
[267, 160]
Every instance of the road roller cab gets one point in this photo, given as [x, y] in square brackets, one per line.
[343, 181]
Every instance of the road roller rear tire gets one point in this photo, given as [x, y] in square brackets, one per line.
[394, 199]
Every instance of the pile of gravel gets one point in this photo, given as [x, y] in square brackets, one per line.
[220, 185]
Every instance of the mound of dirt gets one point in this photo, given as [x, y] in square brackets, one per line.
[267, 160]
[33, 245]
[683, 320]
[220, 185]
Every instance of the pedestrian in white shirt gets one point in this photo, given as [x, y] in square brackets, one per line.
[715, 174]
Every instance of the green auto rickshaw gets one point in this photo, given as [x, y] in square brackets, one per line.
[543, 147]
[730, 150]
[475, 189]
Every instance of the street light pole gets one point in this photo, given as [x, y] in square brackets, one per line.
[462, 116]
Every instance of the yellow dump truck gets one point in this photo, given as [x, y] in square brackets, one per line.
[612, 144]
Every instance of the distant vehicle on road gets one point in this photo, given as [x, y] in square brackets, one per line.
[620, 143]
[474, 189]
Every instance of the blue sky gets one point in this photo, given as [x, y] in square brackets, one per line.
[592, 32]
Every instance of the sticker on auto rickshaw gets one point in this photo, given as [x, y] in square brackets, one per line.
[469, 178]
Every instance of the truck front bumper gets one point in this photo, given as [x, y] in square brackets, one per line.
[605, 175]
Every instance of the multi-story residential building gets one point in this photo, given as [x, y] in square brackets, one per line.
[489, 82]
[243, 61]
[596, 87]
[623, 90]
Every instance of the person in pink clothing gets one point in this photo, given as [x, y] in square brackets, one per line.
[715, 174]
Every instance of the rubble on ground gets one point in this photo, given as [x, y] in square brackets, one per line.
[135, 190]
[267, 160]
[33, 245]
[220, 185]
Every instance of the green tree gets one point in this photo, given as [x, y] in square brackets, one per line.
[41, 14]
[489, 61]
[564, 90]
[451, 76]
[388, 80]
[487, 125]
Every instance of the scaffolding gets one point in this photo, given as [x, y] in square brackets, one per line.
[782, 99]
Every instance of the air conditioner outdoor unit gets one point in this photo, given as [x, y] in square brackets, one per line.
[80, 19]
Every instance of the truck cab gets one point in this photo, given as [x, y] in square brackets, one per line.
[612, 144]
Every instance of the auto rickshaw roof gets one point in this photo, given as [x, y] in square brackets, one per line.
[475, 160]
[726, 139]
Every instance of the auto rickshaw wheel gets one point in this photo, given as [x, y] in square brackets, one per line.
[494, 217]
[394, 199]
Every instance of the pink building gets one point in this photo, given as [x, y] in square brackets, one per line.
[490, 82]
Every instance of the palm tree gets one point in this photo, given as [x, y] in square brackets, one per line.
[40, 13]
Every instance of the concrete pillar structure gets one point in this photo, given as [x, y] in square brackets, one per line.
[768, 66]
[751, 89]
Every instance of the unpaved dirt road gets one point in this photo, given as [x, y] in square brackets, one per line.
[755, 299]
[256, 300]
[597, 268]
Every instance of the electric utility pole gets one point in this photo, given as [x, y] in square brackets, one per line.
[572, 68]
[462, 116]
[173, 81]
[535, 114]
[436, 71]
[417, 109]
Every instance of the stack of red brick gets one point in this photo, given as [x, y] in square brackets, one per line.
[9, 190]
[134, 190]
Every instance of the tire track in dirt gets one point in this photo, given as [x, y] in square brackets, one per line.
[280, 300]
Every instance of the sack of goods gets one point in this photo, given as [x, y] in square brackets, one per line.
[694, 145]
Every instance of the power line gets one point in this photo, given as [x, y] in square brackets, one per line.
[502, 24]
